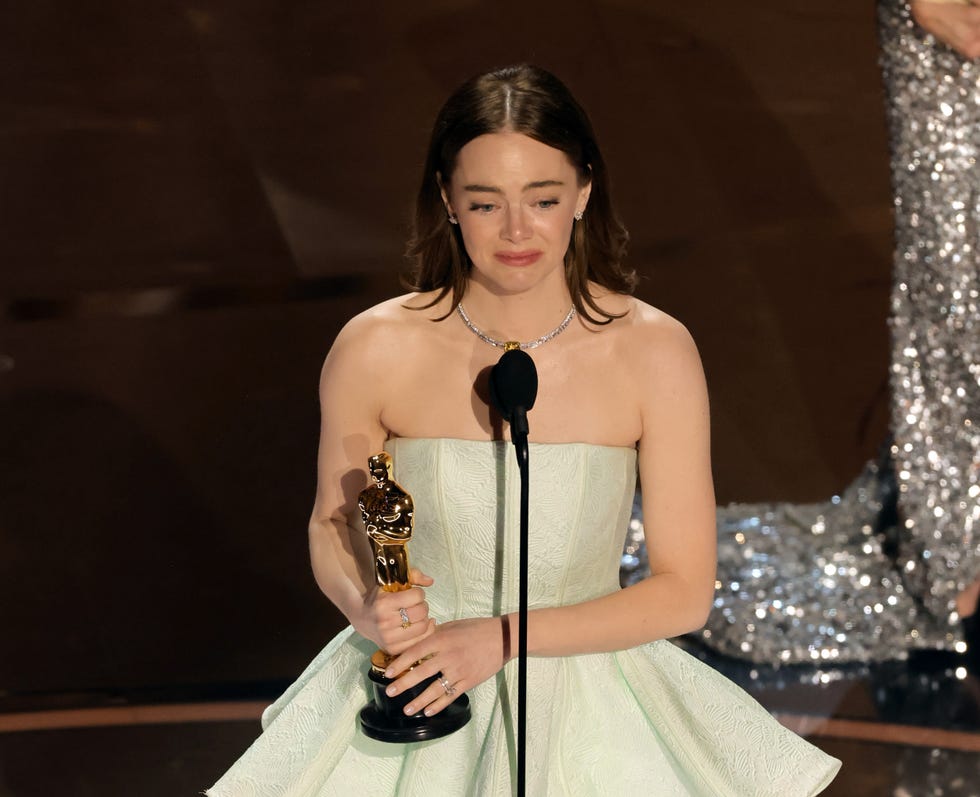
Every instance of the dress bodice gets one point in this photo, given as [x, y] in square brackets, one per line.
[467, 509]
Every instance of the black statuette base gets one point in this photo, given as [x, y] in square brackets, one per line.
[384, 718]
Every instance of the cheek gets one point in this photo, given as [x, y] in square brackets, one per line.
[478, 239]
[475, 233]
[560, 227]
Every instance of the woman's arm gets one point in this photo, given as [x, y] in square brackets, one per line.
[351, 401]
[955, 22]
[679, 518]
[678, 514]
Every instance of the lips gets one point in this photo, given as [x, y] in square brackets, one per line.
[518, 258]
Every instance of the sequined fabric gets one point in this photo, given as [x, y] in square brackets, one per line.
[934, 114]
[807, 583]
[815, 583]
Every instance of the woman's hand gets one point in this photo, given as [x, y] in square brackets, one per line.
[956, 24]
[466, 652]
[397, 620]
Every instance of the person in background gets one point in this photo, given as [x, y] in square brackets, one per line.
[892, 565]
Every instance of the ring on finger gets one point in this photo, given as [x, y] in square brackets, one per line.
[448, 687]
[403, 613]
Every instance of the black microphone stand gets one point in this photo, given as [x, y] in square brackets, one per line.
[513, 389]
[518, 433]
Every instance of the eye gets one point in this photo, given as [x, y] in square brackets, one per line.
[478, 208]
[546, 204]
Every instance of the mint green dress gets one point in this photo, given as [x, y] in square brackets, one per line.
[651, 720]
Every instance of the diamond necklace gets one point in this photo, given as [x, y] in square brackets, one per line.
[508, 345]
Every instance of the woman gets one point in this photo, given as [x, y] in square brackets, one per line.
[805, 583]
[933, 86]
[516, 240]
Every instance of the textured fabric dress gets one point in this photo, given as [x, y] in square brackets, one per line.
[651, 720]
[813, 583]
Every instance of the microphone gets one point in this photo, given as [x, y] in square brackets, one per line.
[513, 388]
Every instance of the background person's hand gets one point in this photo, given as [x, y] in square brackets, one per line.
[955, 23]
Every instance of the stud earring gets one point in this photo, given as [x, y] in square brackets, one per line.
[579, 214]
[453, 219]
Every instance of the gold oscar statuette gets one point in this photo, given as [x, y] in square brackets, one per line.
[388, 513]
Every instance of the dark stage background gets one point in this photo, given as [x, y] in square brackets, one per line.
[194, 196]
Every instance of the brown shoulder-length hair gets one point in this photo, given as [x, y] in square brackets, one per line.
[525, 99]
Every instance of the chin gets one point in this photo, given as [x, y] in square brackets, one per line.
[515, 279]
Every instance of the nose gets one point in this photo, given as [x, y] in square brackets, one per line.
[516, 224]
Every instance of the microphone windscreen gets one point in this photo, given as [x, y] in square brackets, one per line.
[513, 383]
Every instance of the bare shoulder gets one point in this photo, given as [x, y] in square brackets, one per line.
[394, 317]
[659, 370]
[650, 325]
[669, 365]
[394, 320]
[645, 331]
[375, 340]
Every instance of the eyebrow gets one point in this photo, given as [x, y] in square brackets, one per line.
[492, 189]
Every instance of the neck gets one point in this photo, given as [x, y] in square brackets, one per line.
[521, 317]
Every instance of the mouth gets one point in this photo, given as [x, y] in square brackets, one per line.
[518, 258]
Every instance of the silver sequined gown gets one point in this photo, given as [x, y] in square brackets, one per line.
[812, 583]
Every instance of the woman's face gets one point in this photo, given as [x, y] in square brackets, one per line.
[516, 200]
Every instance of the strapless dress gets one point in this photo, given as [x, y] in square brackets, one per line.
[650, 720]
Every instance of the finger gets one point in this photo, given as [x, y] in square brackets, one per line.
[412, 665]
[416, 576]
[411, 679]
[394, 623]
[411, 615]
[405, 636]
[393, 601]
[398, 640]
[412, 597]
[435, 698]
